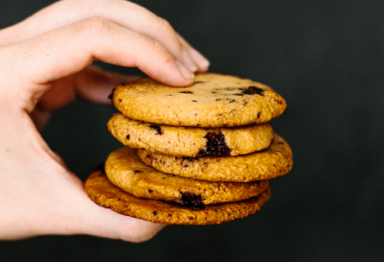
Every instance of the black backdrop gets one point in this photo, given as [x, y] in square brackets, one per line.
[326, 59]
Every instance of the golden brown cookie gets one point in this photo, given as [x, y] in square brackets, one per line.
[126, 171]
[272, 162]
[101, 191]
[190, 141]
[212, 101]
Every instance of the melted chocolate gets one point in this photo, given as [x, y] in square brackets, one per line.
[190, 199]
[157, 128]
[253, 90]
[216, 146]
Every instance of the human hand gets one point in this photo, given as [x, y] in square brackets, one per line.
[44, 65]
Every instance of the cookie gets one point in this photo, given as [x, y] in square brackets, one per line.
[274, 161]
[126, 171]
[190, 141]
[101, 191]
[212, 101]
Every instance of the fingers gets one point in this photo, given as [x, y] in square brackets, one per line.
[92, 84]
[196, 56]
[77, 214]
[124, 13]
[70, 49]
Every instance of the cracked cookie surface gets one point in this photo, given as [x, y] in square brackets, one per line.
[101, 191]
[126, 171]
[272, 162]
[190, 141]
[214, 100]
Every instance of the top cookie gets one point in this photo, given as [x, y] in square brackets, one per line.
[212, 101]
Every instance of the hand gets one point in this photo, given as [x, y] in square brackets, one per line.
[44, 65]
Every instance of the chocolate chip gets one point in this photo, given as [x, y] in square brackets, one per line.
[253, 90]
[154, 213]
[138, 171]
[186, 92]
[238, 94]
[149, 156]
[258, 115]
[194, 101]
[216, 146]
[218, 99]
[213, 92]
[185, 165]
[150, 190]
[190, 199]
[120, 100]
[128, 136]
[198, 82]
[157, 128]
[231, 100]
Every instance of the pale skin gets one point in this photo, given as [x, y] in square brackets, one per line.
[45, 65]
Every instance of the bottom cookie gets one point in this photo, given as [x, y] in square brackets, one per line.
[105, 194]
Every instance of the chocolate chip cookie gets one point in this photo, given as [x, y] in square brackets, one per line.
[272, 162]
[214, 100]
[190, 141]
[101, 191]
[126, 171]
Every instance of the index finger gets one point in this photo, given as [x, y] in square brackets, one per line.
[70, 49]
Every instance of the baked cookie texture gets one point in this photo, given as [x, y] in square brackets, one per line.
[214, 100]
[126, 171]
[272, 162]
[101, 191]
[190, 141]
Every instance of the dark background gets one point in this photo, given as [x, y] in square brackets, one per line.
[326, 59]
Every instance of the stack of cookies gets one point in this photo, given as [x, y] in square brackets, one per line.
[194, 155]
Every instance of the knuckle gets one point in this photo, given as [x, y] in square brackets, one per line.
[92, 27]
[163, 55]
[164, 27]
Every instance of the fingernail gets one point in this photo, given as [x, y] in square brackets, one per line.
[187, 60]
[199, 59]
[185, 71]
